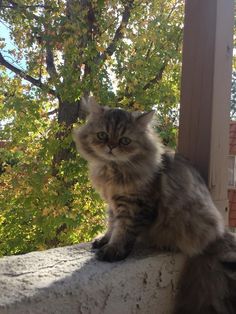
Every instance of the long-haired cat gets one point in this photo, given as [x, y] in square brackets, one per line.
[156, 197]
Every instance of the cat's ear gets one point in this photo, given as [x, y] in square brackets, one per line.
[94, 107]
[83, 108]
[145, 118]
[90, 106]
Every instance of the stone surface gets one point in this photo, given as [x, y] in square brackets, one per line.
[69, 281]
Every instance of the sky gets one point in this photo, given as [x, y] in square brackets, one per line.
[5, 33]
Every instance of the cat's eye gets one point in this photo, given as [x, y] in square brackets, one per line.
[125, 141]
[102, 136]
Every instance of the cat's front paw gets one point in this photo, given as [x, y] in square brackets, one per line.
[100, 242]
[111, 253]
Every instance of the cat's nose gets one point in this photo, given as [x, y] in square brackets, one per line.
[111, 145]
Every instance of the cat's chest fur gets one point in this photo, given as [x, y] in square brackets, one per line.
[112, 179]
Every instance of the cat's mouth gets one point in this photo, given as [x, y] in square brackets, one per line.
[110, 155]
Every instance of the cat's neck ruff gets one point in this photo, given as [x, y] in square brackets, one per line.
[137, 172]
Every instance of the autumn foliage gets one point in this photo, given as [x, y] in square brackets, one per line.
[127, 53]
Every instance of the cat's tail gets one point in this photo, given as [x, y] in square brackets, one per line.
[208, 281]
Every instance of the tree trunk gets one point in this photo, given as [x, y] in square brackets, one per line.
[68, 114]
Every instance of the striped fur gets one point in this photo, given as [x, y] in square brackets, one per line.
[153, 196]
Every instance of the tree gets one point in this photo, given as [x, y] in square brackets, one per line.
[233, 97]
[127, 53]
[233, 84]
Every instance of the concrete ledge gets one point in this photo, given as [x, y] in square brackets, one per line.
[69, 281]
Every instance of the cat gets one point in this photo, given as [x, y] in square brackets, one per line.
[155, 196]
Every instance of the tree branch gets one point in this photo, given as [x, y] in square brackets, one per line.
[51, 69]
[50, 113]
[92, 21]
[118, 33]
[22, 74]
[149, 50]
[172, 9]
[149, 84]
[14, 4]
[50, 63]
[157, 77]
[24, 6]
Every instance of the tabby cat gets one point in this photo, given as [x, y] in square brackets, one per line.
[157, 197]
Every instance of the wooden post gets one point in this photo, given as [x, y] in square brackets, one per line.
[205, 95]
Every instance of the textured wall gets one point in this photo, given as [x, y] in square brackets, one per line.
[69, 280]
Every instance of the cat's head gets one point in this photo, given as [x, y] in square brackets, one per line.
[113, 134]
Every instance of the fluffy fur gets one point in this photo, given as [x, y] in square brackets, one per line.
[156, 197]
